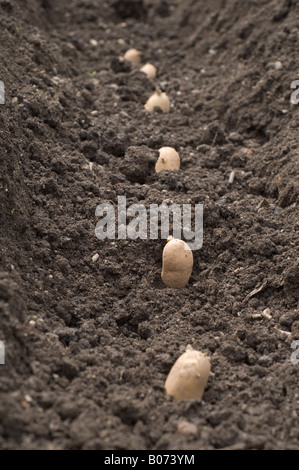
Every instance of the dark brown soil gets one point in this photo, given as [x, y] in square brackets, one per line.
[89, 344]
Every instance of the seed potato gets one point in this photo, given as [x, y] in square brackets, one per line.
[133, 56]
[169, 159]
[177, 263]
[149, 70]
[158, 100]
[189, 376]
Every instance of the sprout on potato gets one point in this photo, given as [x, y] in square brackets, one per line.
[189, 376]
[177, 263]
[133, 56]
[158, 100]
[149, 70]
[169, 159]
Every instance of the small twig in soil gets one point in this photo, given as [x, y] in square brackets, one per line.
[263, 203]
[214, 139]
[266, 314]
[95, 257]
[231, 177]
[287, 333]
[256, 316]
[240, 446]
[254, 292]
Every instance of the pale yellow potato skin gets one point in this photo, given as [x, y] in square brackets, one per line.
[149, 70]
[189, 376]
[177, 264]
[133, 56]
[169, 159]
[159, 100]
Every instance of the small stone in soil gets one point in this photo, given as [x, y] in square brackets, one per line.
[186, 427]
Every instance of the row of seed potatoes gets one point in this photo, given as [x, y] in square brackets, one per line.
[189, 375]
